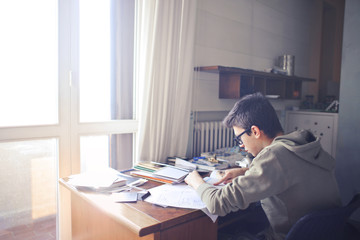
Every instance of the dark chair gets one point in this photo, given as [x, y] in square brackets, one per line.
[330, 224]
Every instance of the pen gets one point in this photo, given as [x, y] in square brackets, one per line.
[127, 170]
[145, 196]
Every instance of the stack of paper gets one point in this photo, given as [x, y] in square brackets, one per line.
[100, 180]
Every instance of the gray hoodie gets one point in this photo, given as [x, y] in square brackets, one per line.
[291, 177]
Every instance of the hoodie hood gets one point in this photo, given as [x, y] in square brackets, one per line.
[307, 147]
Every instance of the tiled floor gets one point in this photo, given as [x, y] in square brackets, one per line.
[39, 230]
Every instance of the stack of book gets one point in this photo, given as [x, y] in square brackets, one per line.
[160, 172]
[147, 166]
[202, 164]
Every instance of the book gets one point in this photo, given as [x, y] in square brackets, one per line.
[147, 166]
[172, 173]
[160, 172]
[152, 176]
[138, 167]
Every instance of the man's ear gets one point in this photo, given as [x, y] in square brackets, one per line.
[256, 131]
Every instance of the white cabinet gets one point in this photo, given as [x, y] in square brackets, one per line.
[322, 124]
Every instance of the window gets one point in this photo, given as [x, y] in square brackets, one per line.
[67, 96]
[105, 80]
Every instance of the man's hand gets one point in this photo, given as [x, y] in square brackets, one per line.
[230, 174]
[194, 179]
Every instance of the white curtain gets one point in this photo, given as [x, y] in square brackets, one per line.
[165, 32]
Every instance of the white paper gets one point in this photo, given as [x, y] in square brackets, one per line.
[214, 177]
[213, 217]
[178, 195]
[181, 196]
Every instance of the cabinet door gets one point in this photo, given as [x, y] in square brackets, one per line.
[322, 125]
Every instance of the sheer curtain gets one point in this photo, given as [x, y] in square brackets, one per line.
[164, 68]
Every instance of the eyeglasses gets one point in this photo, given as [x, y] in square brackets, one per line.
[237, 138]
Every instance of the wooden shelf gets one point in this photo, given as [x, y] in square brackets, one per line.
[235, 83]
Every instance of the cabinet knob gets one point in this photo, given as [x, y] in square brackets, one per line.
[315, 123]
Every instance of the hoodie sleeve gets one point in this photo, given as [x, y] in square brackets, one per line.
[264, 178]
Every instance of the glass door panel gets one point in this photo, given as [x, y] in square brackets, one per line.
[94, 60]
[28, 185]
[106, 86]
[105, 60]
[113, 151]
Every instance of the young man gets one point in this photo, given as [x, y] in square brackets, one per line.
[291, 174]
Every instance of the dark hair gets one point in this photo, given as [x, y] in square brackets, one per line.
[254, 109]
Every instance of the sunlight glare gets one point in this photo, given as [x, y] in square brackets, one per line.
[95, 65]
[28, 62]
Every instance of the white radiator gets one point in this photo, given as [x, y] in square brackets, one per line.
[209, 136]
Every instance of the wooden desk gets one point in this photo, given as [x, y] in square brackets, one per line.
[95, 216]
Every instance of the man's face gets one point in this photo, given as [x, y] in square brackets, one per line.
[251, 143]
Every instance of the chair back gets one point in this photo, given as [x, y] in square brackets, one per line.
[324, 224]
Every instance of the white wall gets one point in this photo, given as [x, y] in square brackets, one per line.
[348, 148]
[250, 34]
